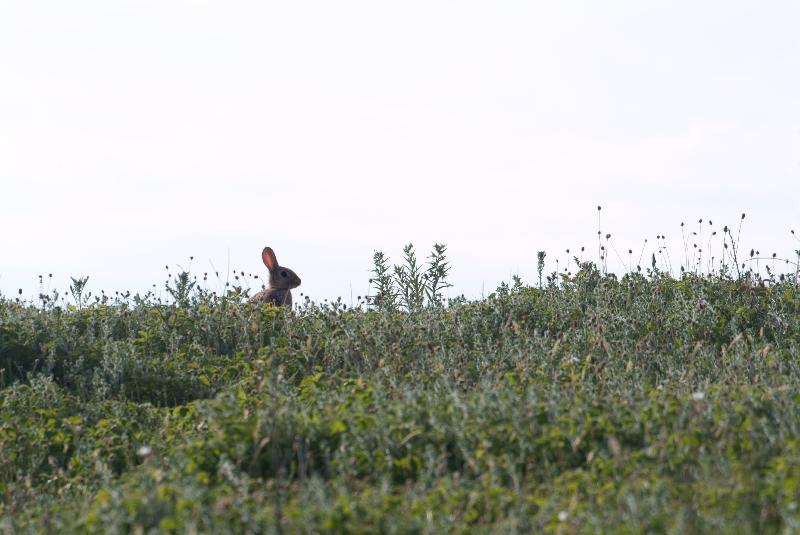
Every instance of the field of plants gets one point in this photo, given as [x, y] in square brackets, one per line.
[587, 403]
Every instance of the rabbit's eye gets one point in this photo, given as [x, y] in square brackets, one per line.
[283, 274]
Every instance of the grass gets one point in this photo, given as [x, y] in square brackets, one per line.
[590, 403]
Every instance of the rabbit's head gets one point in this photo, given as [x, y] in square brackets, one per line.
[279, 277]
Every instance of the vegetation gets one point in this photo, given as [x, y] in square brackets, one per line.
[588, 403]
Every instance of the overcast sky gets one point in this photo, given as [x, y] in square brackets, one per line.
[135, 134]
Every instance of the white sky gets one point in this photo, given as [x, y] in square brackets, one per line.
[134, 134]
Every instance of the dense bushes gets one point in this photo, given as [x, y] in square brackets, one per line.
[598, 404]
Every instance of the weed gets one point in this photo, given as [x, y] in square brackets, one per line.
[409, 285]
[76, 289]
[593, 402]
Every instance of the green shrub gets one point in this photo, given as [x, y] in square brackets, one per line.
[591, 403]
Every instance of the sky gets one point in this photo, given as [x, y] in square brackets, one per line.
[137, 134]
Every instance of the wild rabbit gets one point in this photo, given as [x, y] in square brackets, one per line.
[281, 281]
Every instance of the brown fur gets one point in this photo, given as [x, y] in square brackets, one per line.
[281, 281]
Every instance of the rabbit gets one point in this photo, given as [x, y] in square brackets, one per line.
[281, 281]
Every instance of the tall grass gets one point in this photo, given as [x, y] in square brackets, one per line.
[592, 402]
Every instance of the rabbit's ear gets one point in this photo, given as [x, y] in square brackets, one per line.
[268, 256]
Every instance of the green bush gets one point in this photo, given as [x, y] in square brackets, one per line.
[591, 404]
